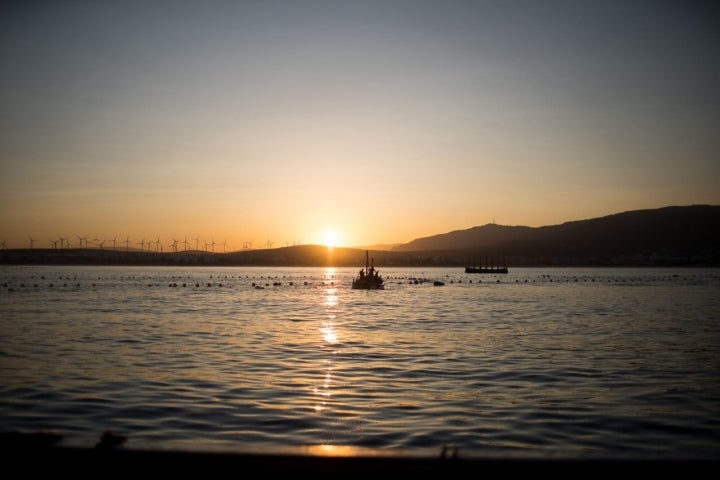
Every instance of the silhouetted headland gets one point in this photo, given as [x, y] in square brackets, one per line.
[669, 236]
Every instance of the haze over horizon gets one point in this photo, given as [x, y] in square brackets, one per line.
[376, 122]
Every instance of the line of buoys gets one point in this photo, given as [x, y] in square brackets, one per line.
[326, 281]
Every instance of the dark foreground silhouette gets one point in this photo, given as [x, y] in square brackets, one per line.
[35, 454]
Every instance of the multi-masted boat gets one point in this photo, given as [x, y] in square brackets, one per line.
[492, 266]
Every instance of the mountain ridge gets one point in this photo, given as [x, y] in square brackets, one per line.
[667, 236]
[690, 227]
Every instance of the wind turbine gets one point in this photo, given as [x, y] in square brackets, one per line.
[4, 242]
[224, 245]
[174, 245]
[54, 243]
[197, 239]
[185, 243]
[114, 240]
[142, 244]
[268, 244]
[127, 243]
[32, 242]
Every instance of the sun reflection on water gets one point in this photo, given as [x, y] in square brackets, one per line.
[334, 450]
[329, 333]
[331, 299]
[329, 339]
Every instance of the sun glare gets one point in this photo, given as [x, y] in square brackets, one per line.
[330, 238]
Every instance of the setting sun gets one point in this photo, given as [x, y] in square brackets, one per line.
[330, 238]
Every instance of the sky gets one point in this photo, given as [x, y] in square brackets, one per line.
[375, 122]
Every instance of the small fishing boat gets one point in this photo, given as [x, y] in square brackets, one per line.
[368, 278]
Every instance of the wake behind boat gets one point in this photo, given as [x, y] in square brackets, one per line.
[368, 278]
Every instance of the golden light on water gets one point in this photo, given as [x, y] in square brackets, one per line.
[323, 392]
[329, 334]
[331, 299]
[347, 451]
[329, 281]
[329, 338]
[333, 450]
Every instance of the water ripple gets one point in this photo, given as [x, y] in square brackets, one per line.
[539, 362]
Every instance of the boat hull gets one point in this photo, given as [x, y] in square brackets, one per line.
[358, 285]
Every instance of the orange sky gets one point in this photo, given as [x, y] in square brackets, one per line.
[277, 122]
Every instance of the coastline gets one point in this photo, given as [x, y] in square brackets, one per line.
[322, 256]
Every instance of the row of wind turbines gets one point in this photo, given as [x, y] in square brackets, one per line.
[145, 245]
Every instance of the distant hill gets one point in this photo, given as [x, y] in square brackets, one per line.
[668, 235]
[299, 256]
[378, 246]
[484, 236]
[673, 236]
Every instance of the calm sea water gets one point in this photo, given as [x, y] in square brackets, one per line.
[539, 362]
